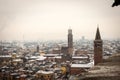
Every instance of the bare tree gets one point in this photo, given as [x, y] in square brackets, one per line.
[116, 3]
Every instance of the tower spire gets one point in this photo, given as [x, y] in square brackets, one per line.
[98, 48]
[98, 37]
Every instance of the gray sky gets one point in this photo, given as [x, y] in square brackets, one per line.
[50, 19]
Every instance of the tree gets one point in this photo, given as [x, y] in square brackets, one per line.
[116, 3]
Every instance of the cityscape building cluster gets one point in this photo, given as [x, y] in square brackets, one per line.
[53, 61]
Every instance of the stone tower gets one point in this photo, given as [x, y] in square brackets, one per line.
[70, 38]
[70, 41]
[98, 49]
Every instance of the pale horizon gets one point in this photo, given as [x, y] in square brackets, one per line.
[51, 19]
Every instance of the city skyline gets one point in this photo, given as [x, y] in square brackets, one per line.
[51, 19]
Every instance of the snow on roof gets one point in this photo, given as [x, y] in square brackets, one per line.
[41, 58]
[56, 49]
[58, 57]
[17, 60]
[88, 65]
[31, 60]
[80, 57]
[13, 53]
[51, 54]
[5, 56]
[33, 57]
[38, 57]
[45, 72]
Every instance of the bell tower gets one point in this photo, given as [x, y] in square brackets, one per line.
[98, 48]
[70, 38]
[70, 41]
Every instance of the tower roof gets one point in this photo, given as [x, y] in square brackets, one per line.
[98, 37]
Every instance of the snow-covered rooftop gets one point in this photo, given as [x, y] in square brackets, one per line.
[80, 57]
[88, 65]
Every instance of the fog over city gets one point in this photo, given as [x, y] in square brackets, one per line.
[50, 19]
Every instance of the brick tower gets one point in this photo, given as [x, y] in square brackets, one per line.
[70, 41]
[98, 49]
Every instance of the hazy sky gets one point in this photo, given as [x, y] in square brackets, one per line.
[50, 19]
